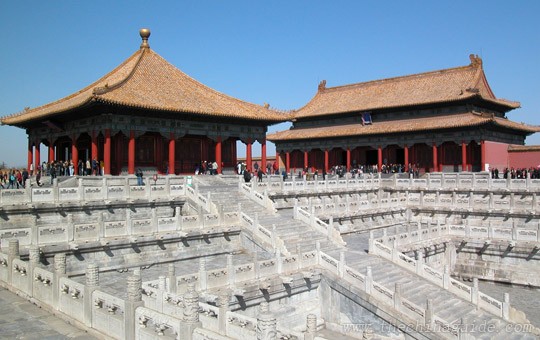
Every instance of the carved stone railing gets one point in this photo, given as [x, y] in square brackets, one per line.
[320, 226]
[260, 198]
[390, 297]
[441, 279]
[98, 229]
[102, 189]
[509, 233]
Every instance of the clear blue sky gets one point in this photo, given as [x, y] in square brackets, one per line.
[272, 51]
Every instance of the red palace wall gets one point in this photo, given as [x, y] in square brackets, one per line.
[525, 159]
[497, 155]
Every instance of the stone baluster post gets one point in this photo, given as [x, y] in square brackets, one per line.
[474, 292]
[311, 327]
[420, 262]
[428, 316]
[92, 283]
[178, 218]
[506, 306]
[221, 214]
[371, 241]
[395, 251]
[266, 323]
[299, 257]
[190, 319]
[58, 273]
[34, 255]
[230, 270]
[369, 280]
[162, 286]
[134, 300]
[203, 278]
[397, 296]
[35, 259]
[279, 263]
[171, 279]
[13, 253]
[330, 227]
[446, 277]
[341, 264]
[295, 209]
[34, 231]
[223, 305]
[80, 190]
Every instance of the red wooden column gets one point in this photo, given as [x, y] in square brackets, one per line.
[348, 159]
[94, 151]
[406, 154]
[30, 155]
[75, 155]
[441, 157]
[435, 163]
[218, 154]
[172, 150]
[107, 152]
[263, 154]
[37, 157]
[306, 159]
[463, 156]
[249, 161]
[379, 158]
[483, 155]
[131, 153]
[326, 160]
[287, 162]
[51, 151]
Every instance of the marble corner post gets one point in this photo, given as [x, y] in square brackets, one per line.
[134, 300]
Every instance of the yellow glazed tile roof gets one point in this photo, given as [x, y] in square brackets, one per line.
[147, 81]
[443, 86]
[469, 119]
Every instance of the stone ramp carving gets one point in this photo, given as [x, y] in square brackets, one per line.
[298, 236]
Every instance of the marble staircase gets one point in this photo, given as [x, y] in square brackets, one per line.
[298, 235]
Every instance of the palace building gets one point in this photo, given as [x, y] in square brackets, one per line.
[446, 120]
[145, 114]
[148, 114]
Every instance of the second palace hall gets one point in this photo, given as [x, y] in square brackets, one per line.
[147, 113]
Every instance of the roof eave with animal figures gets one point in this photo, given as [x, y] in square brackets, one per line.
[409, 125]
[147, 81]
[437, 87]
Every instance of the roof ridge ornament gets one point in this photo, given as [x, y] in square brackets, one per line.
[145, 34]
[476, 61]
[322, 85]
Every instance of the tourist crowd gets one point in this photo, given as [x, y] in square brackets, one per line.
[515, 173]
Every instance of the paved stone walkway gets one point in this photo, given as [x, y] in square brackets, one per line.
[20, 319]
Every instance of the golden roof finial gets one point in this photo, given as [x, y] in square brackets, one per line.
[145, 34]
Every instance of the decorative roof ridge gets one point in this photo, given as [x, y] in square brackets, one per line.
[68, 97]
[99, 90]
[208, 88]
[392, 79]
